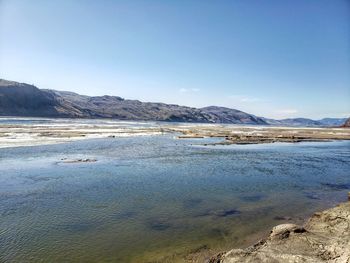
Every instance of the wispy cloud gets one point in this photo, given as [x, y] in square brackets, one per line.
[243, 98]
[246, 99]
[287, 111]
[183, 90]
[344, 115]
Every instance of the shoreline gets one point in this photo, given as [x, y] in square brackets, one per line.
[32, 134]
[267, 135]
[325, 237]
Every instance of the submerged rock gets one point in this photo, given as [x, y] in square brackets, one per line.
[324, 238]
[229, 212]
[282, 218]
[87, 160]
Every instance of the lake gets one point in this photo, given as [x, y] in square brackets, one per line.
[157, 198]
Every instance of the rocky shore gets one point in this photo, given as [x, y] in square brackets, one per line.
[324, 238]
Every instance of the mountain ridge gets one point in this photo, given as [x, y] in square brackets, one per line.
[21, 99]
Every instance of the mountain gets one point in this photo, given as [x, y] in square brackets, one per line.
[296, 122]
[299, 122]
[332, 121]
[20, 99]
[227, 115]
[346, 123]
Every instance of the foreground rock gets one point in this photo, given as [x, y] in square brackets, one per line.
[324, 238]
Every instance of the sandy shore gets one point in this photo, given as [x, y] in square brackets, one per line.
[263, 134]
[15, 135]
[324, 238]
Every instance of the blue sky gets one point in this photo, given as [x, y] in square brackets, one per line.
[271, 58]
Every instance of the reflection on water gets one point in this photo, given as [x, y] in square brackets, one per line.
[157, 198]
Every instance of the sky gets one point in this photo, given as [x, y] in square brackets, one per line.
[271, 58]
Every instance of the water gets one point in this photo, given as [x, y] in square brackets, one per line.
[156, 198]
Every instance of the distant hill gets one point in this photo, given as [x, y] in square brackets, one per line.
[332, 121]
[296, 122]
[326, 122]
[20, 99]
[227, 115]
[346, 123]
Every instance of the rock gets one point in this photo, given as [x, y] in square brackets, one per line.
[64, 160]
[324, 238]
[284, 230]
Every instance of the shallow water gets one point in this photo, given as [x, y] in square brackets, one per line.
[156, 198]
